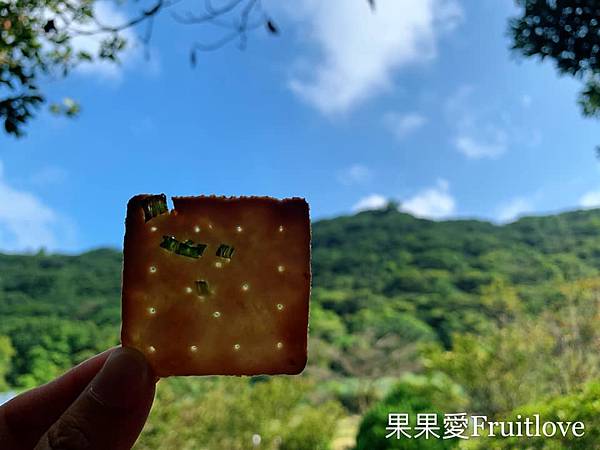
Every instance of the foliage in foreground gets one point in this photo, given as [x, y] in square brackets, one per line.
[529, 358]
[48, 346]
[581, 406]
[6, 353]
[411, 396]
[234, 413]
[547, 365]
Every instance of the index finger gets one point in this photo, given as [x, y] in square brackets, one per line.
[29, 415]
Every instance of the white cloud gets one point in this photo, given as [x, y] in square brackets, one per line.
[489, 143]
[513, 209]
[26, 223]
[480, 132]
[401, 125]
[355, 174]
[432, 203]
[590, 199]
[359, 51]
[373, 201]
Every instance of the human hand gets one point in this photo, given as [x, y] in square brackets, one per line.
[102, 403]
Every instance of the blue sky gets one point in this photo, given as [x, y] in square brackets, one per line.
[421, 102]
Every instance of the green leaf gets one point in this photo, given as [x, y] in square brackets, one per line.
[154, 205]
[225, 251]
[202, 287]
[187, 248]
[169, 243]
[84, 56]
[190, 249]
[589, 99]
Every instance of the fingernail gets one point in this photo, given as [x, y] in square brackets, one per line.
[123, 380]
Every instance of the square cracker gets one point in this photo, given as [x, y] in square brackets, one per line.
[209, 314]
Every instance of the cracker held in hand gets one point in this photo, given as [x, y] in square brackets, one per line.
[218, 285]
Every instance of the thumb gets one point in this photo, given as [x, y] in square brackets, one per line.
[110, 413]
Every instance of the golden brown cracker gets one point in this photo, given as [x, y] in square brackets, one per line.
[218, 285]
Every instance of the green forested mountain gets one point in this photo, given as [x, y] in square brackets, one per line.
[437, 271]
[375, 272]
[392, 295]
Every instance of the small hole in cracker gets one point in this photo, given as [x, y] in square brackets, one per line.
[193, 348]
[279, 306]
[218, 264]
[281, 228]
[280, 345]
[239, 229]
[188, 290]
[202, 288]
[280, 268]
[153, 229]
[152, 269]
[217, 314]
[151, 349]
[196, 229]
[210, 226]
[236, 346]
[152, 310]
[245, 287]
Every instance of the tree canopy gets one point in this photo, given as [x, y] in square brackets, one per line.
[567, 32]
[39, 40]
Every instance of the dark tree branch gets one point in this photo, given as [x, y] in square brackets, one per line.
[237, 29]
[24, 55]
[145, 15]
[212, 12]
